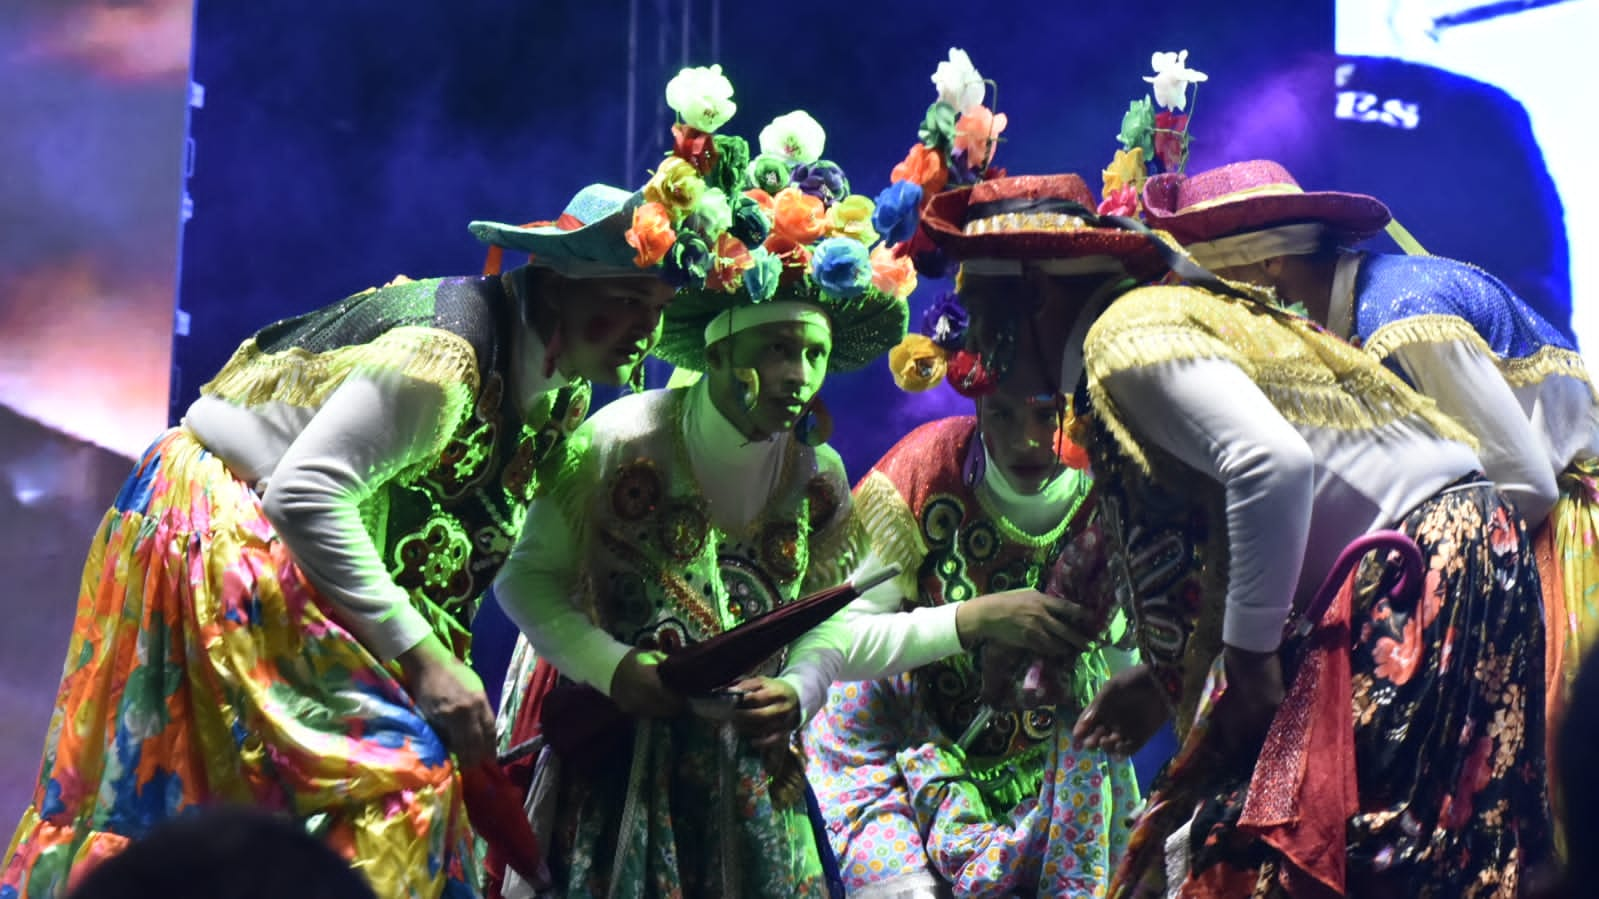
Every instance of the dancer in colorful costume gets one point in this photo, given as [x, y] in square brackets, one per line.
[934, 777]
[1455, 332]
[276, 609]
[681, 513]
[1238, 449]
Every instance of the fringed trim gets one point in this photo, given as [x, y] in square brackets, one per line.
[1006, 782]
[1548, 362]
[890, 528]
[835, 551]
[301, 378]
[1397, 335]
[1306, 386]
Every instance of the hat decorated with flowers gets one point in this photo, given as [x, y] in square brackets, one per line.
[1053, 222]
[794, 245]
[1244, 212]
[660, 230]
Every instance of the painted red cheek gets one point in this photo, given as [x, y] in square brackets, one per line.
[598, 329]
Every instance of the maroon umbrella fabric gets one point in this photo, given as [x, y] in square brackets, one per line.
[584, 726]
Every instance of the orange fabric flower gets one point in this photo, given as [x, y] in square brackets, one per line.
[977, 134]
[891, 274]
[727, 271]
[762, 198]
[917, 363]
[796, 258]
[651, 234]
[925, 167]
[798, 216]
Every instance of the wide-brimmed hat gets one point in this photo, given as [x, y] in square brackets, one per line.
[863, 327]
[1251, 196]
[1037, 218]
[587, 240]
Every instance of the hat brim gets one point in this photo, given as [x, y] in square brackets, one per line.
[945, 216]
[862, 329]
[595, 249]
[1352, 217]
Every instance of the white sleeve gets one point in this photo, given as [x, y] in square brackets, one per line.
[869, 639]
[538, 586]
[1211, 416]
[1466, 383]
[371, 428]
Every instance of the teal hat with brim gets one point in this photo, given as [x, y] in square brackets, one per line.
[587, 241]
[862, 327]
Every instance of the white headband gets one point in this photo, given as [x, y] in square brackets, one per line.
[1255, 246]
[1081, 265]
[741, 318]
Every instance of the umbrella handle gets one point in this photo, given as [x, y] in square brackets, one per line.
[880, 576]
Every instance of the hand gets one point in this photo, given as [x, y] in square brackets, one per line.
[1245, 711]
[450, 696]
[1021, 619]
[636, 687]
[1128, 710]
[768, 713]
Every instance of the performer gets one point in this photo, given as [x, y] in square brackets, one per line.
[1455, 332]
[926, 793]
[681, 513]
[275, 610]
[1238, 450]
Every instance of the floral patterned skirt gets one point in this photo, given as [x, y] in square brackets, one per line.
[203, 668]
[907, 818]
[1448, 712]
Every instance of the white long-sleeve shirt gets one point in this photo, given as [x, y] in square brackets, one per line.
[538, 584]
[315, 466]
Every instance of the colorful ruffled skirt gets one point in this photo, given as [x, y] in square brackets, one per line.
[204, 669]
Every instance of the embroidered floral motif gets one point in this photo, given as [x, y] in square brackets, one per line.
[750, 593]
[636, 491]
[434, 560]
[823, 498]
[780, 551]
[683, 530]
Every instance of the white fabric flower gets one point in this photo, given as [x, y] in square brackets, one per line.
[958, 81]
[703, 97]
[796, 138]
[1171, 79]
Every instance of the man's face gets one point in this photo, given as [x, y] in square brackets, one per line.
[1020, 430]
[790, 362]
[609, 325]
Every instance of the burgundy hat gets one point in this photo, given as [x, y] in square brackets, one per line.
[1250, 196]
[1034, 218]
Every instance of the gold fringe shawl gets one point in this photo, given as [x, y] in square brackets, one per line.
[301, 378]
[1311, 377]
[1547, 362]
[891, 529]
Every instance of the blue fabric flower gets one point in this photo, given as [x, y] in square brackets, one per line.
[945, 322]
[750, 224]
[687, 262]
[821, 179]
[760, 279]
[841, 267]
[898, 209]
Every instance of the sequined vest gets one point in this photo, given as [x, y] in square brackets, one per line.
[444, 529]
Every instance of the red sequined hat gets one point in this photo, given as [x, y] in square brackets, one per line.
[1034, 218]
[1250, 196]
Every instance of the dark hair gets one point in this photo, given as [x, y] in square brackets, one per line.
[225, 853]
